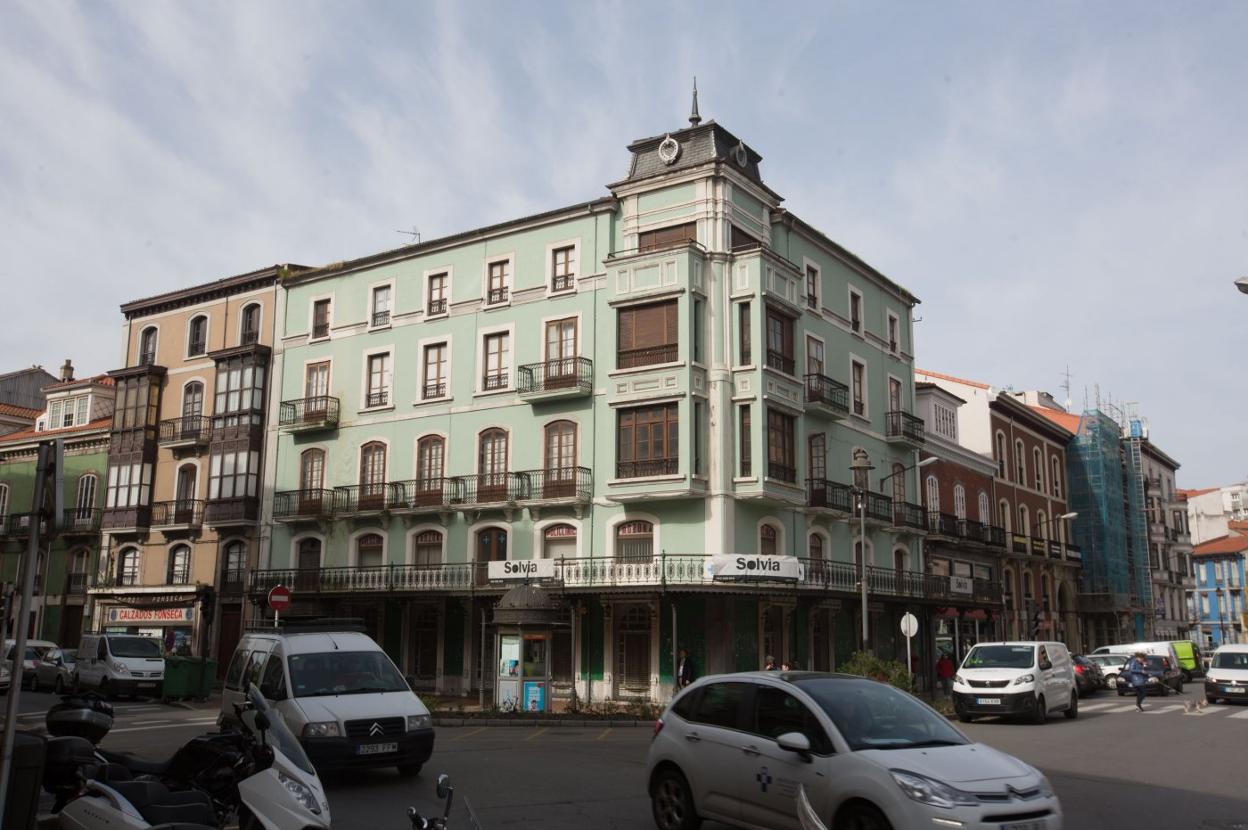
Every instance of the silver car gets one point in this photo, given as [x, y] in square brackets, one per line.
[57, 670]
[738, 748]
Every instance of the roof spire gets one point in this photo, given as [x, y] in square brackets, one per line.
[694, 118]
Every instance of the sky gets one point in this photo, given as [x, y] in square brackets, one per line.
[1061, 184]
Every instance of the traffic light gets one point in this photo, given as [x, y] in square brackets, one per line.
[1036, 619]
[207, 604]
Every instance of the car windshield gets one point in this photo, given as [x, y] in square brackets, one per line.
[1000, 657]
[871, 715]
[70, 655]
[1156, 663]
[36, 652]
[134, 647]
[279, 734]
[1231, 660]
[343, 673]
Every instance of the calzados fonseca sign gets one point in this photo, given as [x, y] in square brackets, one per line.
[522, 569]
[151, 615]
[732, 566]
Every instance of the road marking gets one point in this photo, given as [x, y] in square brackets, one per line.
[541, 731]
[1094, 707]
[1164, 709]
[470, 733]
[164, 726]
[603, 734]
[1240, 715]
[147, 722]
[1126, 708]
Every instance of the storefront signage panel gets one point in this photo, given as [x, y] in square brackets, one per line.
[741, 567]
[522, 569]
[961, 585]
[150, 616]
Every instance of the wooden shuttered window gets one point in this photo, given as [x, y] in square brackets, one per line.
[668, 237]
[647, 334]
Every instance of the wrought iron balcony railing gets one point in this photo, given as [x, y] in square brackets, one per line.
[563, 282]
[380, 318]
[781, 472]
[378, 398]
[433, 390]
[879, 507]
[903, 425]
[491, 488]
[491, 381]
[430, 493]
[497, 295]
[362, 498]
[822, 390]
[436, 307]
[649, 356]
[315, 412]
[233, 511]
[909, 515]
[82, 520]
[188, 430]
[303, 504]
[649, 467]
[233, 582]
[179, 513]
[320, 330]
[76, 583]
[829, 495]
[558, 377]
[780, 361]
[554, 483]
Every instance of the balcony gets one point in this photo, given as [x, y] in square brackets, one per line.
[308, 414]
[250, 337]
[497, 296]
[879, 507]
[826, 396]
[361, 499]
[187, 431]
[491, 488]
[904, 428]
[379, 319]
[127, 518]
[781, 472]
[19, 525]
[381, 579]
[647, 469]
[822, 494]
[907, 516]
[233, 582]
[649, 356]
[293, 506]
[436, 307]
[994, 536]
[320, 330]
[82, 521]
[946, 525]
[1055, 550]
[494, 381]
[568, 377]
[1038, 546]
[375, 399]
[184, 514]
[780, 361]
[235, 512]
[1019, 543]
[563, 282]
[433, 391]
[423, 495]
[557, 484]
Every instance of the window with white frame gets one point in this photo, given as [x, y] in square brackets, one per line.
[496, 371]
[377, 391]
[933, 494]
[128, 567]
[959, 501]
[1042, 525]
[380, 306]
[814, 356]
[197, 336]
[1020, 463]
[1056, 477]
[812, 286]
[179, 566]
[563, 268]
[999, 450]
[498, 281]
[436, 302]
[855, 311]
[858, 376]
[1004, 518]
[233, 470]
[894, 333]
[435, 382]
[985, 512]
[946, 421]
[427, 548]
[250, 324]
[129, 482]
[1037, 463]
[84, 501]
[320, 318]
[1024, 521]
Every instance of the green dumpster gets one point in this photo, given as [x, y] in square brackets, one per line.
[188, 677]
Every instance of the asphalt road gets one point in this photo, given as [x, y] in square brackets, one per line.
[1112, 767]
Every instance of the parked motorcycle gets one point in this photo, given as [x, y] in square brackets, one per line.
[445, 792]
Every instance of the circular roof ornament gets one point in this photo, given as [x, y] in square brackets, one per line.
[740, 155]
[669, 149]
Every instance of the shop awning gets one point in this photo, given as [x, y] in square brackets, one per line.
[530, 605]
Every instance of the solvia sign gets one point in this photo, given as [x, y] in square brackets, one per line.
[522, 569]
[750, 566]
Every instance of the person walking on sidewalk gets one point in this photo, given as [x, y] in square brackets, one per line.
[1137, 675]
[944, 673]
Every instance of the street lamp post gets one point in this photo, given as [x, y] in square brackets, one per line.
[862, 464]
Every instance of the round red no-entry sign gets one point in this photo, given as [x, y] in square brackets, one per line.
[279, 598]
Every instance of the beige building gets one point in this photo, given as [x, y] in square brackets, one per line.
[182, 497]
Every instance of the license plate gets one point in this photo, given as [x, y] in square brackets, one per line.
[988, 701]
[1235, 690]
[147, 685]
[1024, 825]
[376, 749]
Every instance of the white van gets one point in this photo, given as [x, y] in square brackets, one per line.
[1162, 648]
[1024, 678]
[121, 664]
[1227, 678]
[338, 691]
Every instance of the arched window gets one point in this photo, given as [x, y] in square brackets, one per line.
[309, 554]
[560, 460]
[985, 512]
[634, 541]
[369, 549]
[814, 547]
[767, 543]
[1024, 521]
[427, 548]
[372, 476]
[179, 570]
[84, 501]
[1037, 462]
[186, 489]
[197, 336]
[899, 483]
[1020, 463]
[1055, 477]
[492, 466]
[192, 404]
[250, 321]
[1000, 453]
[932, 494]
[816, 556]
[147, 346]
[559, 542]
[430, 484]
[1042, 525]
[959, 501]
[234, 566]
[491, 547]
[901, 560]
[312, 471]
[128, 567]
[1003, 516]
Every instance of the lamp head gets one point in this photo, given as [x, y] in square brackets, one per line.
[862, 461]
[931, 459]
[1242, 284]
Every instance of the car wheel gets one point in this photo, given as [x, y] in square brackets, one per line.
[409, 770]
[966, 717]
[671, 802]
[1073, 712]
[861, 816]
[1179, 688]
[1041, 714]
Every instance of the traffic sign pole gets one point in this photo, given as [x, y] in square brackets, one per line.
[279, 600]
[909, 627]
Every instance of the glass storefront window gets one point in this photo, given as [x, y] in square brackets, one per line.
[534, 655]
[509, 656]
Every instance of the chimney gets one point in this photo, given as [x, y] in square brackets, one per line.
[67, 371]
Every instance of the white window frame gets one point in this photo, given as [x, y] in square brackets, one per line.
[138, 353]
[580, 331]
[931, 489]
[806, 354]
[449, 272]
[984, 504]
[510, 330]
[372, 289]
[539, 533]
[420, 351]
[363, 399]
[891, 317]
[866, 387]
[329, 322]
[808, 263]
[294, 550]
[329, 381]
[631, 516]
[853, 291]
[959, 501]
[509, 283]
[238, 336]
[409, 540]
[549, 269]
[1055, 485]
[353, 554]
[901, 383]
[207, 333]
[1037, 461]
[1020, 458]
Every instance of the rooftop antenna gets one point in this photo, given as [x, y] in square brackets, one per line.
[1066, 384]
[414, 233]
[694, 118]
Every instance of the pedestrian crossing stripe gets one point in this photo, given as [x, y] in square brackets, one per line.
[1239, 715]
[1163, 709]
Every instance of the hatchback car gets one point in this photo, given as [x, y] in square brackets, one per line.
[737, 748]
[1164, 677]
[1110, 666]
[1088, 676]
[57, 670]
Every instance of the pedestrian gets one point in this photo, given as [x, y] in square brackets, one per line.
[769, 663]
[786, 666]
[1137, 675]
[944, 673]
[684, 670]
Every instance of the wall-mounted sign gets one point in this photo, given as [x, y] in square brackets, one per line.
[150, 616]
[534, 696]
[743, 567]
[522, 569]
[961, 585]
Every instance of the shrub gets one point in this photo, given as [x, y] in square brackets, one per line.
[885, 671]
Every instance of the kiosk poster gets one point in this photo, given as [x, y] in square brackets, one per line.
[534, 697]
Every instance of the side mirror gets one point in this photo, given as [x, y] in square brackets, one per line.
[1045, 664]
[795, 742]
[443, 786]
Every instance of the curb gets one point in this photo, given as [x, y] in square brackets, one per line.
[521, 723]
